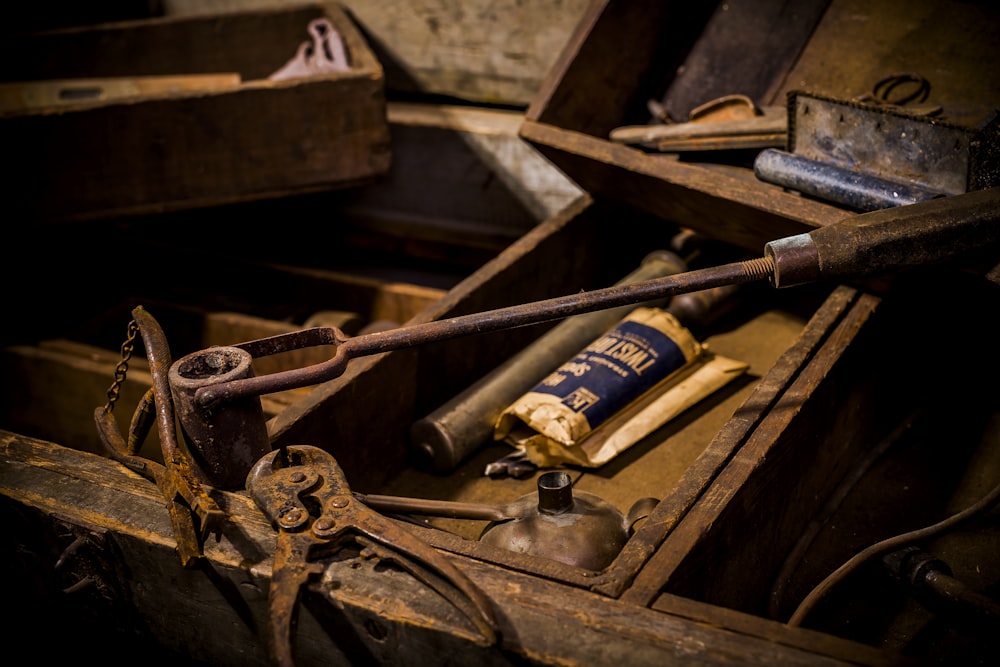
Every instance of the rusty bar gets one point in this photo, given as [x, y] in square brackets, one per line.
[859, 246]
[476, 323]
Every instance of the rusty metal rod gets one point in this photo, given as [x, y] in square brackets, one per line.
[856, 247]
[476, 323]
[440, 508]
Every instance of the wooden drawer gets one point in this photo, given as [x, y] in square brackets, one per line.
[193, 143]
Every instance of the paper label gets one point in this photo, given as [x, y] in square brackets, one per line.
[612, 371]
[618, 389]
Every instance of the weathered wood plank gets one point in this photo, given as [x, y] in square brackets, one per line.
[53, 388]
[171, 151]
[126, 529]
[52, 391]
[726, 203]
[23, 96]
[478, 50]
[459, 138]
[614, 62]
[746, 49]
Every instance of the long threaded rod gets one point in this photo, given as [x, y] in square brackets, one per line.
[488, 321]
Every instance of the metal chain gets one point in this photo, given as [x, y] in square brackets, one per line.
[122, 368]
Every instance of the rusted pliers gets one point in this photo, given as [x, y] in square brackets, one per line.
[304, 493]
[193, 513]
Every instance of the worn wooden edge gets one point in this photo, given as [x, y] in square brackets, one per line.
[655, 575]
[636, 574]
[611, 54]
[725, 203]
[77, 488]
[479, 120]
[323, 161]
[827, 645]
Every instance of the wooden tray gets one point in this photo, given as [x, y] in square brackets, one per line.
[218, 132]
[742, 479]
[682, 55]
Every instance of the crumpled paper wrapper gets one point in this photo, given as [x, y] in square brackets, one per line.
[623, 386]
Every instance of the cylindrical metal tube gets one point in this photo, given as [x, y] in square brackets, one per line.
[444, 438]
[861, 191]
[225, 442]
[555, 492]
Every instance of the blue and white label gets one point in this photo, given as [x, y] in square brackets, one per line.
[614, 370]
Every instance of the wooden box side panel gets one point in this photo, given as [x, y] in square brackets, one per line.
[614, 61]
[167, 154]
[727, 204]
[179, 150]
[778, 483]
[51, 495]
[253, 44]
[881, 369]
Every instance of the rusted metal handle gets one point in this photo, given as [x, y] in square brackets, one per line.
[193, 512]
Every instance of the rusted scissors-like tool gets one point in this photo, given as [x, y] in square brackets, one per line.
[304, 493]
[193, 513]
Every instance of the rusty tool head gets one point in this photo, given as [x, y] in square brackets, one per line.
[305, 494]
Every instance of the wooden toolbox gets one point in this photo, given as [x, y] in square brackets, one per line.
[865, 413]
[627, 60]
[170, 113]
[863, 416]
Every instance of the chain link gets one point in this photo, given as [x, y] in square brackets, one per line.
[122, 368]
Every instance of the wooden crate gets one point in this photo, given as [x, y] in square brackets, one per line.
[382, 252]
[682, 55]
[742, 479]
[220, 142]
[747, 481]
[480, 50]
